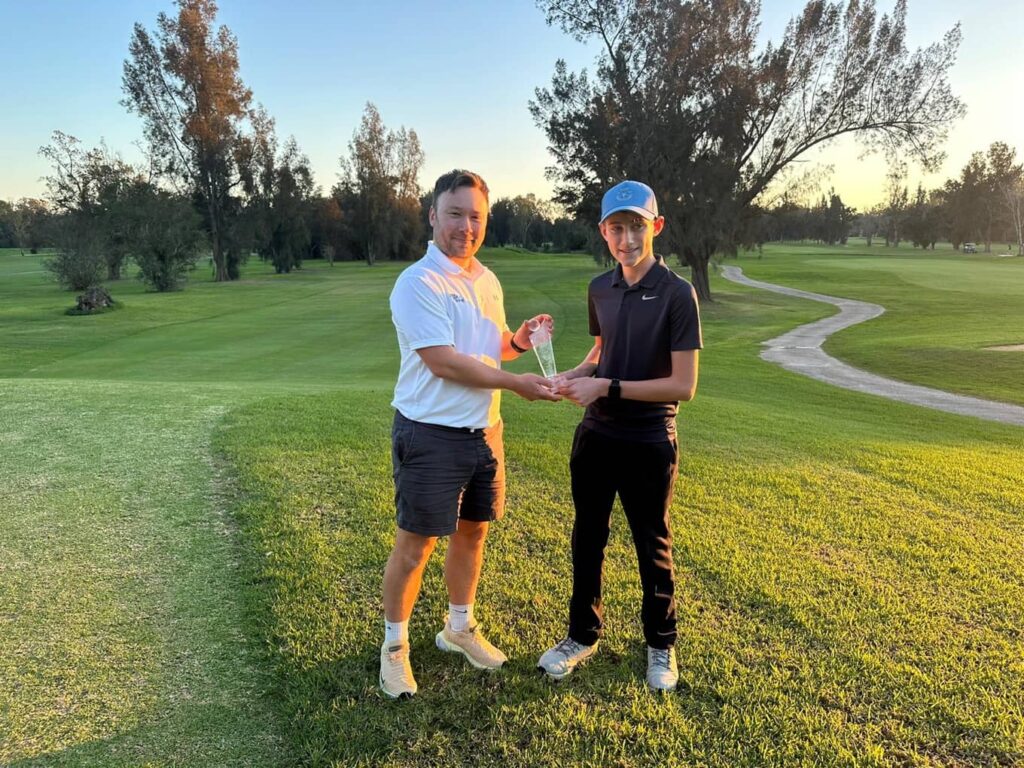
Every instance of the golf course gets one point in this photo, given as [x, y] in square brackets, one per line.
[196, 506]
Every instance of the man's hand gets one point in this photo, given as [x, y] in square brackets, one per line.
[584, 390]
[530, 386]
[522, 334]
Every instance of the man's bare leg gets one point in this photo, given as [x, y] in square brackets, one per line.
[403, 573]
[464, 560]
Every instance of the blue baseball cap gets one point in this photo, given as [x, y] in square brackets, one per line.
[632, 196]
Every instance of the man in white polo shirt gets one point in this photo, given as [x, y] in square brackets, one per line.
[447, 436]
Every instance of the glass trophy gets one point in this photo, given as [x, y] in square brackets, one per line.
[540, 338]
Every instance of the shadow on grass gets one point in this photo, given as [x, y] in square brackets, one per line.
[188, 734]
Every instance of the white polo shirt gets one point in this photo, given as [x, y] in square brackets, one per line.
[435, 303]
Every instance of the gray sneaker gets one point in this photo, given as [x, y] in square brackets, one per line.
[396, 678]
[564, 657]
[662, 672]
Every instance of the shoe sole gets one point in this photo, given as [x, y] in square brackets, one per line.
[444, 645]
[552, 675]
[657, 689]
[568, 672]
[403, 696]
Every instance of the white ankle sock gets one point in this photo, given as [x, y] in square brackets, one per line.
[396, 631]
[460, 616]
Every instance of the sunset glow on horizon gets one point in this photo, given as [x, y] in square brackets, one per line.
[460, 76]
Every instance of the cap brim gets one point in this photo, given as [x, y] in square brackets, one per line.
[633, 209]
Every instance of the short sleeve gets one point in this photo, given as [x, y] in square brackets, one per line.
[595, 325]
[685, 319]
[420, 313]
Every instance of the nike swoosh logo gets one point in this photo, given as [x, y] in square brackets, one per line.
[647, 298]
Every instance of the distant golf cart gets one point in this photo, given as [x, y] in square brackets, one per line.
[970, 248]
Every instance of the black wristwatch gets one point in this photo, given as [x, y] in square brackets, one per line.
[615, 390]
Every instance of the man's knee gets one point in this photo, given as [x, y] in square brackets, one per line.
[471, 533]
[411, 550]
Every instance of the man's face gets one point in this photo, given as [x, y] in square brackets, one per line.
[460, 222]
[630, 237]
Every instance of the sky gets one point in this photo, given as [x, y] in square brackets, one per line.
[460, 73]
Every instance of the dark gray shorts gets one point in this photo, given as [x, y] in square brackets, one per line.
[444, 473]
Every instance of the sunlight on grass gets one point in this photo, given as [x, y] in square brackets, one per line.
[196, 502]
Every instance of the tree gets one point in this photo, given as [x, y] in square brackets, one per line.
[280, 188]
[183, 81]
[967, 202]
[165, 232]
[381, 171]
[79, 262]
[837, 219]
[87, 187]
[1006, 180]
[33, 224]
[8, 237]
[683, 100]
[923, 222]
[868, 225]
[523, 220]
[895, 208]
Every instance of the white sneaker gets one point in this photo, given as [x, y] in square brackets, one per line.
[662, 672]
[472, 644]
[396, 678]
[564, 657]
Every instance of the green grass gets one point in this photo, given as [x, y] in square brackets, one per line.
[943, 309]
[200, 501]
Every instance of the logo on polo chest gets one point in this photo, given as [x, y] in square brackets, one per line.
[645, 297]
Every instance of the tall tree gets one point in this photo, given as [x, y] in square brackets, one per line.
[971, 201]
[897, 199]
[923, 222]
[183, 81]
[684, 100]
[1006, 181]
[381, 170]
[279, 190]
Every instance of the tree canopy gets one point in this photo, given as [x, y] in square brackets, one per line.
[683, 99]
[183, 81]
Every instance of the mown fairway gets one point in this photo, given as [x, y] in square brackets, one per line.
[195, 505]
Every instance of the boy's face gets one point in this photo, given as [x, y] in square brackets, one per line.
[630, 237]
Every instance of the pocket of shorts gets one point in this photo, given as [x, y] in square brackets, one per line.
[405, 440]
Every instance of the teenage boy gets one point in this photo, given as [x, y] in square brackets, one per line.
[646, 330]
[447, 436]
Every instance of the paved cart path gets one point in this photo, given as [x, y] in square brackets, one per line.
[800, 351]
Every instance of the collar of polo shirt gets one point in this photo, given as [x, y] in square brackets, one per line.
[650, 280]
[438, 257]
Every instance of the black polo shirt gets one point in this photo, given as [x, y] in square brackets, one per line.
[640, 326]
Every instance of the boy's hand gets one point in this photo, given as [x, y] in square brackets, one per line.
[584, 390]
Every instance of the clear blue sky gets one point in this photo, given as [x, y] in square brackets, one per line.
[459, 73]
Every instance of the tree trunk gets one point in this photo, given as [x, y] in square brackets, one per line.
[699, 276]
[219, 262]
